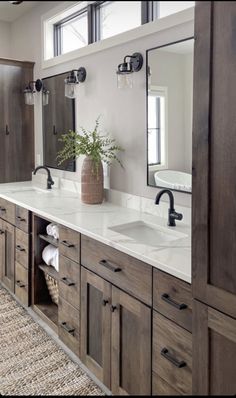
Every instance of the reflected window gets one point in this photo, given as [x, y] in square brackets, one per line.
[164, 8]
[157, 126]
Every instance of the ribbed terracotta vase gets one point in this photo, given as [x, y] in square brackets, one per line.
[91, 182]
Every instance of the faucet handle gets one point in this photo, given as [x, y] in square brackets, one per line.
[177, 216]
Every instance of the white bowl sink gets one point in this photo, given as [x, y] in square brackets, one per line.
[148, 234]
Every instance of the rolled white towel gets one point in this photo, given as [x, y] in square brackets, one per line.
[50, 256]
[53, 230]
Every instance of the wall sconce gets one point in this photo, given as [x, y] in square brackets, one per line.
[45, 96]
[125, 70]
[31, 89]
[72, 82]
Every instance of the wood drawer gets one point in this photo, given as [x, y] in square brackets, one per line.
[160, 387]
[172, 298]
[128, 273]
[69, 281]
[172, 354]
[22, 219]
[22, 283]
[69, 325]
[22, 248]
[7, 211]
[69, 244]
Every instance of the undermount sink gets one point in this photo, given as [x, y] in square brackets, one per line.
[148, 234]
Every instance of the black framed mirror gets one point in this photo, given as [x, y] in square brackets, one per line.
[169, 83]
[58, 118]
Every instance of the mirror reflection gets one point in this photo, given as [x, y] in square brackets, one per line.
[58, 119]
[169, 115]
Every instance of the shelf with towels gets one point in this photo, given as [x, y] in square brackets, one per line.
[49, 239]
[48, 269]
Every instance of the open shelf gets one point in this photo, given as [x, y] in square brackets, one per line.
[49, 313]
[49, 239]
[50, 271]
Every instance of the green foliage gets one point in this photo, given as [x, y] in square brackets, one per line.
[90, 143]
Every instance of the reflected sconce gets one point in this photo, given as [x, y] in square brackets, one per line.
[45, 96]
[31, 89]
[72, 82]
[125, 70]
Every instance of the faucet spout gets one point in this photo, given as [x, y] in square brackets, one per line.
[50, 181]
[172, 214]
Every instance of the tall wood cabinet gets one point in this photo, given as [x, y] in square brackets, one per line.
[214, 199]
[16, 122]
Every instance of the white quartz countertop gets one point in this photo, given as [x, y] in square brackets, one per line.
[65, 207]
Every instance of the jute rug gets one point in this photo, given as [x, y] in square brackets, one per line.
[31, 363]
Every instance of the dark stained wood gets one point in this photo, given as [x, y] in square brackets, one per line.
[131, 345]
[49, 270]
[71, 271]
[135, 276]
[178, 291]
[214, 140]
[7, 211]
[9, 254]
[214, 352]
[23, 219]
[2, 249]
[22, 284]
[96, 325]
[17, 123]
[49, 313]
[49, 239]
[69, 237]
[69, 318]
[58, 119]
[22, 251]
[178, 342]
[160, 387]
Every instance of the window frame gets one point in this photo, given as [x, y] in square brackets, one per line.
[148, 14]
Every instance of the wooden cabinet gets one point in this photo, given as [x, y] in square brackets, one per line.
[16, 123]
[7, 248]
[214, 352]
[22, 266]
[115, 336]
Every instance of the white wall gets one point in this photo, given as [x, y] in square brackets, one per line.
[124, 112]
[5, 39]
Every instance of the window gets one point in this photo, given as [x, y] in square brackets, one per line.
[114, 17]
[156, 127]
[71, 33]
[165, 8]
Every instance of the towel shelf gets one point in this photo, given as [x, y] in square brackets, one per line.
[49, 239]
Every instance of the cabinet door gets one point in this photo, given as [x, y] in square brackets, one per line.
[2, 250]
[96, 325]
[8, 247]
[131, 345]
[214, 161]
[214, 352]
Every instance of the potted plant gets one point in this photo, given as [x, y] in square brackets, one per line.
[96, 148]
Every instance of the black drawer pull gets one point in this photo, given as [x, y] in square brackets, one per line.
[3, 209]
[178, 364]
[20, 284]
[20, 249]
[105, 302]
[67, 328]
[65, 243]
[113, 308]
[165, 297]
[1, 232]
[67, 282]
[110, 266]
[7, 130]
[21, 219]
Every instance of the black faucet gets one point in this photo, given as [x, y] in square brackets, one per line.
[50, 181]
[172, 214]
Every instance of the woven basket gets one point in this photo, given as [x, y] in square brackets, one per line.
[52, 285]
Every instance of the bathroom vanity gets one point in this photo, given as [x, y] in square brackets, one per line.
[117, 297]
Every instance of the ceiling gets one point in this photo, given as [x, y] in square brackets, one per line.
[10, 13]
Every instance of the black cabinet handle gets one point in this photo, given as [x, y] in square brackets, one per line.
[113, 308]
[165, 297]
[54, 130]
[20, 219]
[67, 328]
[1, 232]
[65, 243]
[179, 364]
[110, 266]
[67, 282]
[105, 302]
[7, 130]
[3, 209]
[20, 284]
[20, 249]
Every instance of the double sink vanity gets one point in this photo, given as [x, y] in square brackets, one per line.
[124, 294]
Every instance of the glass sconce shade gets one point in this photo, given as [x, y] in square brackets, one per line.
[45, 97]
[72, 82]
[29, 96]
[124, 80]
[126, 69]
